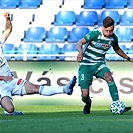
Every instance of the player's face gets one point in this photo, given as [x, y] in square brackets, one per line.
[107, 32]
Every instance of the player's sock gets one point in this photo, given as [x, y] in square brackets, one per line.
[50, 90]
[113, 91]
[87, 106]
[87, 100]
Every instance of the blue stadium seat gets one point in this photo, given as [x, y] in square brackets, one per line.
[127, 18]
[130, 51]
[35, 34]
[65, 18]
[112, 56]
[68, 50]
[8, 48]
[48, 49]
[85, 18]
[124, 34]
[94, 4]
[114, 14]
[24, 50]
[130, 4]
[77, 33]
[124, 48]
[29, 4]
[9, 4]
[57, 34]
[70, 47]
[116, 4]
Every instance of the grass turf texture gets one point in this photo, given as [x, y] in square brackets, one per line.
[65, 119]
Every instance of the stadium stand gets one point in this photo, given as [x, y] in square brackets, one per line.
[116, 4]
[47, 50]
[26, 52]
[29, 4]
[76, 4]
[77, 33]
[57, 34]
[85, 18]
[130, 51]
[34, 34]
[127, 18]
[9, 4]
[94, 4]
[86, 14]
[114, 14]
[68, 50]
[65, 18]
[112, 56]
[124, 48]
[124, 34]
[130, 4]
[8, 49]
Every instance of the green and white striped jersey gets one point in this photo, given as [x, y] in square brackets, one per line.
[96, 47]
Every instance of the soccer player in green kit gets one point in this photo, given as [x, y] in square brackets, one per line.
[92, 60]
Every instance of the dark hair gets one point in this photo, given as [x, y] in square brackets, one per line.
[108, 21]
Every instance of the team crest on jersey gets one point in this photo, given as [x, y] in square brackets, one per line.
[19, 81]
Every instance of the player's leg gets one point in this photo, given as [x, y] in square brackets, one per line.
[0, 100]
[7, 104]
[31, 88]
[105, 74]
[85, 80]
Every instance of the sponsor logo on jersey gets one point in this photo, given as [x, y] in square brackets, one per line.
[105, 46]
[102, 45]
[19, 81]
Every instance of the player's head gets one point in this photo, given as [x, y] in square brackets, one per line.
[108, 26]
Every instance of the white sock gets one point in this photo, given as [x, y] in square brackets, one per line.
[6, 113]
[50, 90]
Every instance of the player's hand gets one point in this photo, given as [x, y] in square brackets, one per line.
[6, 14]
[7, 78]
[80, 56]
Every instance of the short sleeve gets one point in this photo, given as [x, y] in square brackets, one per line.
[115, 45]
[91, 35]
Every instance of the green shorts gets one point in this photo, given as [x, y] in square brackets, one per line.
[86, 73]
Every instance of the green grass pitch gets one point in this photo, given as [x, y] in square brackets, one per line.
[65, 119]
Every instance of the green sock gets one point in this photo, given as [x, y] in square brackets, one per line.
[113, 91]
[87, 100]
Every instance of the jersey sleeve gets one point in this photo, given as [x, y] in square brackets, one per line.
[115, 45]
[90, 36]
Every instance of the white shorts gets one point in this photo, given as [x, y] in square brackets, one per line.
[11, 88]
[14, 87]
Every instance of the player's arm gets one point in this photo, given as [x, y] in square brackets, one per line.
[122, 54]
[8, 26]
[6, 78]
[119, 51]
[79, 46]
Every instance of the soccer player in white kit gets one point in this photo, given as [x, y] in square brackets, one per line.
[10, 86]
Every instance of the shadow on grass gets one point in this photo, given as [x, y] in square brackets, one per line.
[102, 121]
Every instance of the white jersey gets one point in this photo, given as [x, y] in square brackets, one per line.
[9, 88]
[2, 58]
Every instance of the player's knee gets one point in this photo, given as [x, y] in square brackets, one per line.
[108, 77]
[85, 93]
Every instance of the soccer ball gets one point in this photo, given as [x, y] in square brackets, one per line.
[117, 107]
